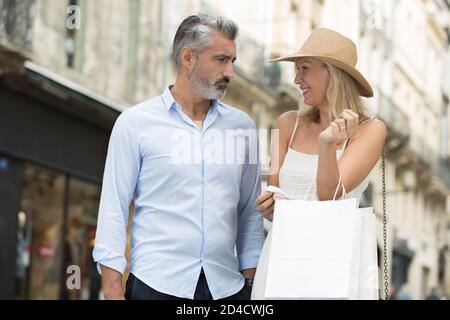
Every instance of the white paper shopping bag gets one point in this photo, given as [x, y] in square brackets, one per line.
[368, 285]
[314, 250]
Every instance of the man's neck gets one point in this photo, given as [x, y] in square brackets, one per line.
[192, 105]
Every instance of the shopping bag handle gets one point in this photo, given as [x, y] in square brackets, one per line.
[339, 184]
[344, 194]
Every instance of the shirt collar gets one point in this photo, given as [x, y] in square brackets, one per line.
[170, 102]
[167, 98]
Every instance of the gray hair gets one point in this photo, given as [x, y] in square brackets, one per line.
[195, 32]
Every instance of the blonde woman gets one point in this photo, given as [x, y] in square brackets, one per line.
[334, 140]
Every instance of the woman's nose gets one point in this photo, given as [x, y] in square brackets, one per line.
[298, 78]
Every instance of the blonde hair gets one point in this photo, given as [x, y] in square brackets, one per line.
[342, 93]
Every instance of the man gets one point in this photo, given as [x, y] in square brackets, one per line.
[196, 233]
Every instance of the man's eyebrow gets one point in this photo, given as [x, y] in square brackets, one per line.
[227, 56]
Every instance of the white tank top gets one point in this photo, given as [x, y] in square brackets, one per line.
[299, 170]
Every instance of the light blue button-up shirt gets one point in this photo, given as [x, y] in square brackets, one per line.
[194, 192]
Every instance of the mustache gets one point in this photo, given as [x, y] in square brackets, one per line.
[224, 80]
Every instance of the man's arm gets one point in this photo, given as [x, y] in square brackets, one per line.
[112, 284]
[249, 273]
[250, 235]
[122, 167]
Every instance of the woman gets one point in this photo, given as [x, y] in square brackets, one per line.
[335, 140]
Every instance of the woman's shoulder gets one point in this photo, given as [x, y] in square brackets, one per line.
[372, 127]
[285, 124]
[373, 124]
[287, 119]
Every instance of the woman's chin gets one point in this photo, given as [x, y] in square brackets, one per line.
[308, 102]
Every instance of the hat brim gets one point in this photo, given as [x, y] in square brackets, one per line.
[363, 86]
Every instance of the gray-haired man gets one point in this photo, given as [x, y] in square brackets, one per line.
[191, 217]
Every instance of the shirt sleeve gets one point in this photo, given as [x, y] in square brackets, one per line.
[250, 235]
[122, 167]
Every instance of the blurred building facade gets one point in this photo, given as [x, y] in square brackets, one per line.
[404, 49]
[74, 65]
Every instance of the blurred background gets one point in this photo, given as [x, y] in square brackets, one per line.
[69, 67]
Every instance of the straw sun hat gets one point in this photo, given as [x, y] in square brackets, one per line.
[334, 48]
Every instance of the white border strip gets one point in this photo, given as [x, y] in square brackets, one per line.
[73, 86]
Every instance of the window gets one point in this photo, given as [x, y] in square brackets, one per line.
[132, 48]
[75, 29]
[16, 21]
[39, 253]
[56, 229]
[79, 236]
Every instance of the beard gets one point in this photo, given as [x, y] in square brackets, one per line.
[208, 89]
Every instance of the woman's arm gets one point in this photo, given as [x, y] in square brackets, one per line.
[285, 124]
[279, 147]
[361, 155]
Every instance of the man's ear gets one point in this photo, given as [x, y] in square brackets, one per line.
[187, 58]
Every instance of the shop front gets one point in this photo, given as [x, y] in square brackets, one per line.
[53, 144]
[56, 230]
